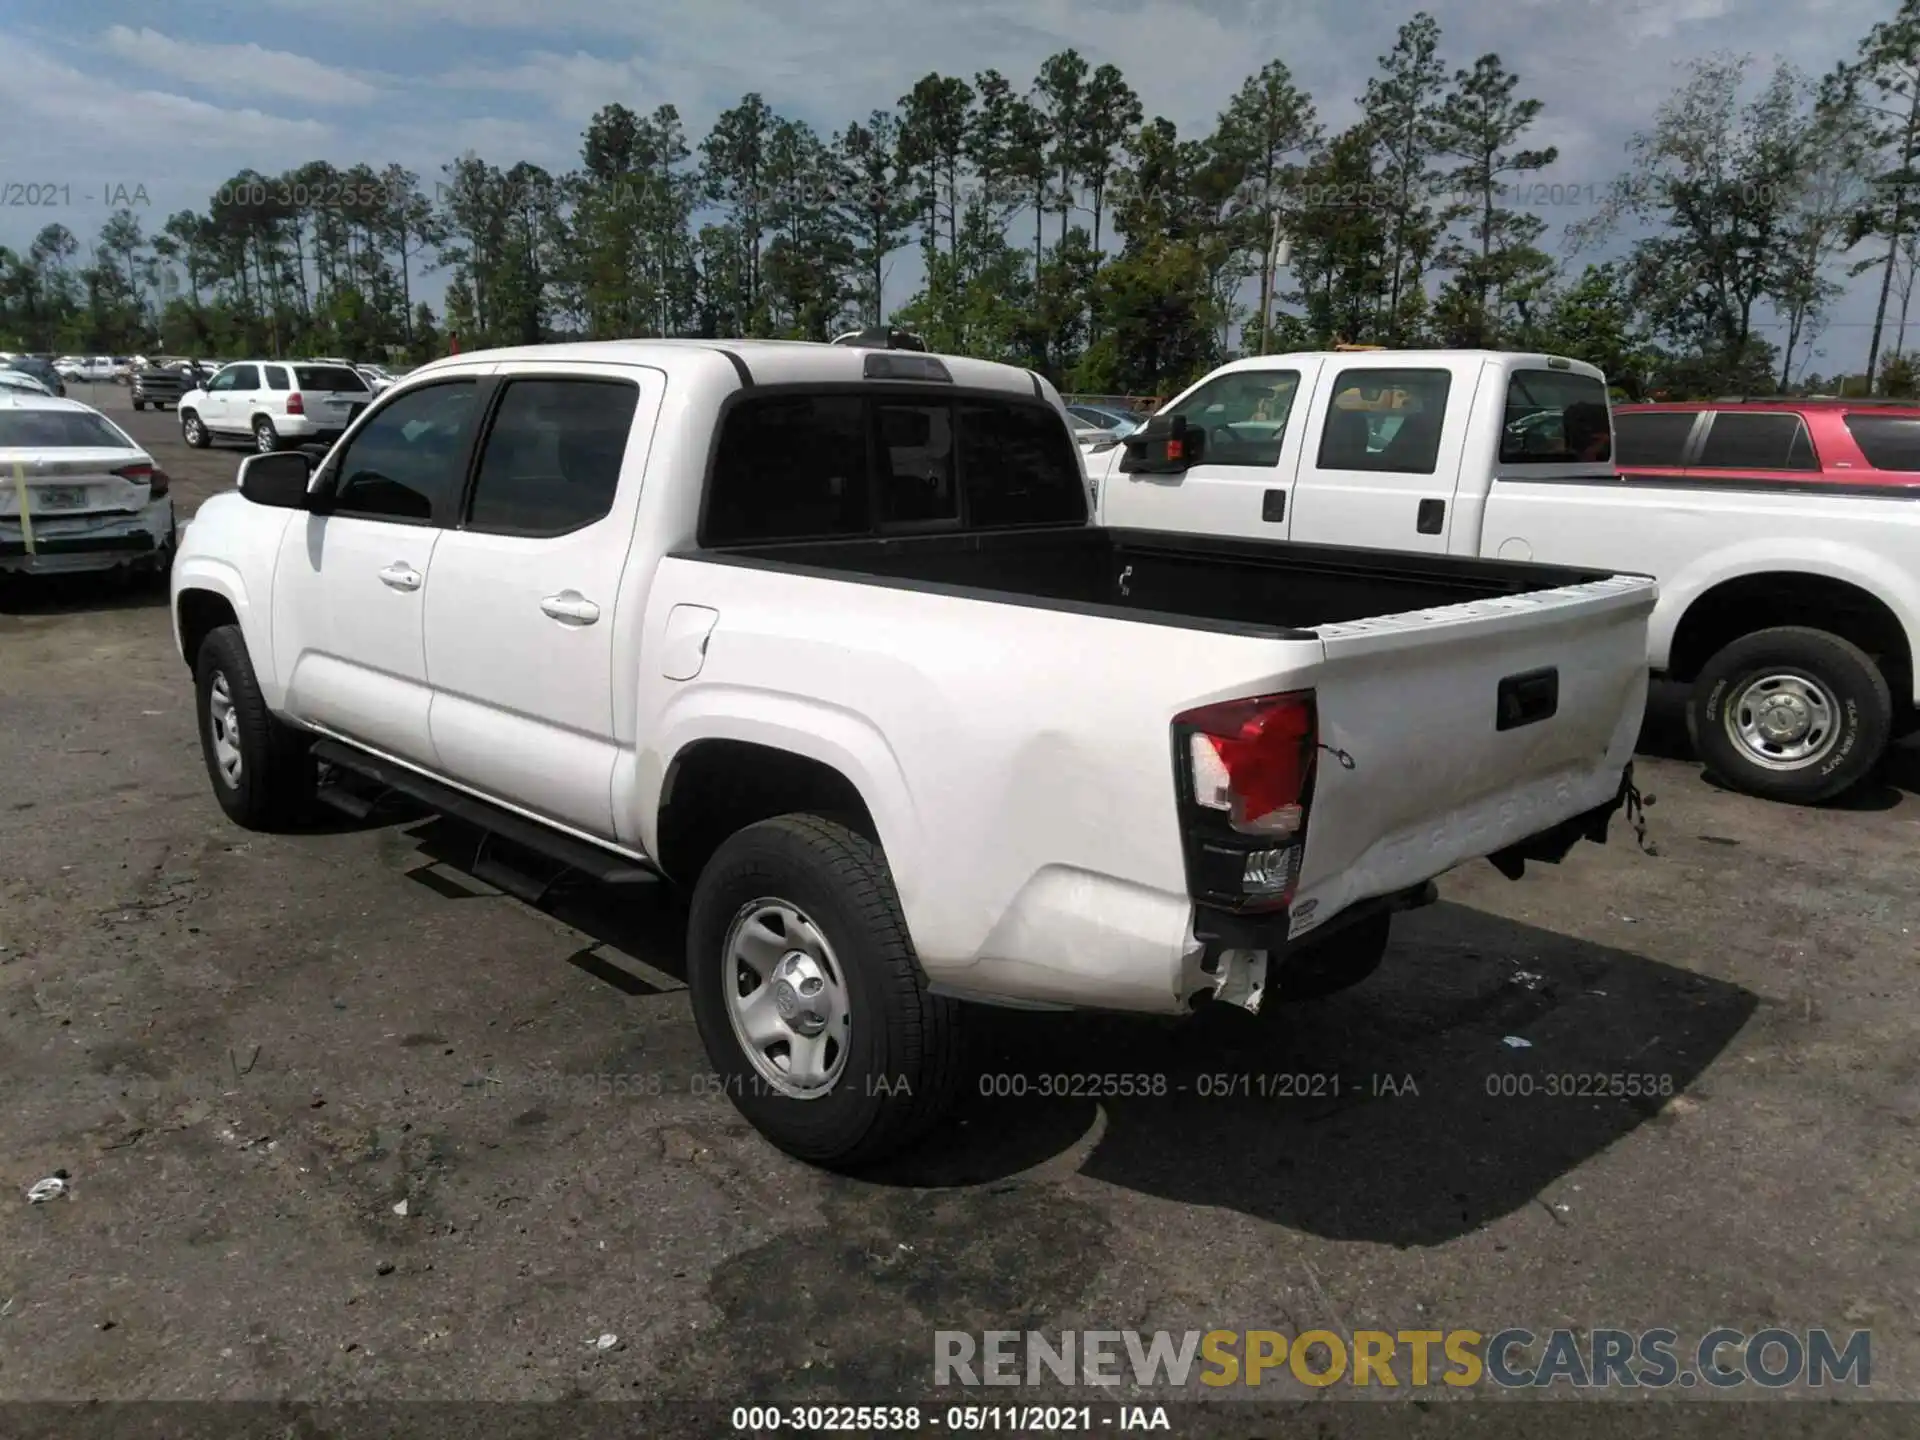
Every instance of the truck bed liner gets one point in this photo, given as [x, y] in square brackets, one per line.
[1260, 587]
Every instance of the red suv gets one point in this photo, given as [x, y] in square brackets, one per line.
[1790, 443]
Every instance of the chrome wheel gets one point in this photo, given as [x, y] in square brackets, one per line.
[1783, 721]
[190, 428]
[224, 725]
[786, 995]
[264, 440]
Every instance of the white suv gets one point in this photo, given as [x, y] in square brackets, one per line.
[274, 403]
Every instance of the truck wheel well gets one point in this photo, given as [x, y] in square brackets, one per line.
[201, 613]
[716, 788]
[1759, 602]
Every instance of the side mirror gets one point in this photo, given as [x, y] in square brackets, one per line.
[279, 479]
[1164, 446]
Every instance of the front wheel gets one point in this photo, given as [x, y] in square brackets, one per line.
[262, 771]
[809, 998]
[193, 430]
[1791, 714]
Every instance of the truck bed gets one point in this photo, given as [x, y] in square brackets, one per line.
[1257, 587]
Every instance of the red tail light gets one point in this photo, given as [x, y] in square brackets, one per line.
[1252, 759]
[1247, 770]
[296, 405]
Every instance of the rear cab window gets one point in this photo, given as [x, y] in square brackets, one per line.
[1555, 417]
[844, 463]
[1890, 442]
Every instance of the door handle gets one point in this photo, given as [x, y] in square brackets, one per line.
[1432, 514]
[400, 576]
[571, 606]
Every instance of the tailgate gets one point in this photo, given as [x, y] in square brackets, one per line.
[1468, 727]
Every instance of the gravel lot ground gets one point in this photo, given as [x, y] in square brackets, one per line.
[247, 1051]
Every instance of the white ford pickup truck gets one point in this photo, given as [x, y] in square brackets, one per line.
[1790, 607]
[822, 636]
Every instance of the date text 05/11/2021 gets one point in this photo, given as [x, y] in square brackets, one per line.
[957, 1419]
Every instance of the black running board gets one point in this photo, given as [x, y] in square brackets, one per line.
[563, 850]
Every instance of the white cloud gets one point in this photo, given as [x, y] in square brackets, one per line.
[248, 69]
[572, 86]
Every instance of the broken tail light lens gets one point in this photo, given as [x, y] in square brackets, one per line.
[1253, 759]
[154, 479]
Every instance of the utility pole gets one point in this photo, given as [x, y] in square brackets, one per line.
[1279, 253]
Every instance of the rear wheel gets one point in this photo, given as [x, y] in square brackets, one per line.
[193, 430]
[262, 771]
[809, 998]
[1791, 714]
[265, 438]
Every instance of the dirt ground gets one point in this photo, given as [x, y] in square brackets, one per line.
[245, 1052]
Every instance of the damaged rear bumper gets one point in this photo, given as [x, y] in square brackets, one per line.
[69, 544]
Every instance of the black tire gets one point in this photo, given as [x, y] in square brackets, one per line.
[193, 430]
[139, 404]
[266, 439]
[1326, 967]
[1856, 702]
[273, 790]
[903, 1056]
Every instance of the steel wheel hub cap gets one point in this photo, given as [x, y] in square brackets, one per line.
[225, 727]
[787, 999]
[1783, 721]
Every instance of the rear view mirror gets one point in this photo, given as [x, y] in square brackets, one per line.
[279, 479]
[1164, 446]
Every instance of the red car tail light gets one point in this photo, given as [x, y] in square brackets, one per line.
[295, 404]
[1247, 769]
[155, 480]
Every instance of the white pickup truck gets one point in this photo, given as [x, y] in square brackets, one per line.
[1791, 609]
[822, 635]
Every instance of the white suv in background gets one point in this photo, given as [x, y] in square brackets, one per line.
[275, 403]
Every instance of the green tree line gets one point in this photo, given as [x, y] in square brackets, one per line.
[1060, 227]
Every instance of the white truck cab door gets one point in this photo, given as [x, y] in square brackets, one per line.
[352, 585]
[1243, 485]
[522, 640]
[1385, 445]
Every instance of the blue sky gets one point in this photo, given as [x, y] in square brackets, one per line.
[175, 98]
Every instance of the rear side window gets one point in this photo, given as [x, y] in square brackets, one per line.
[1018, 467]
[1555, 417]
[789, 468]
[1889, 442]
[1743, 441]
[552, 459]
[1651, 437]
[276, 378]
[328, 377]
[1385, 420]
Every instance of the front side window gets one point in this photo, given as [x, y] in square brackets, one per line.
[222, 381]
[553, 455]
[404, 463]
[1244, 414]
[1387, 421]
[245, 377]
[1555, 417]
